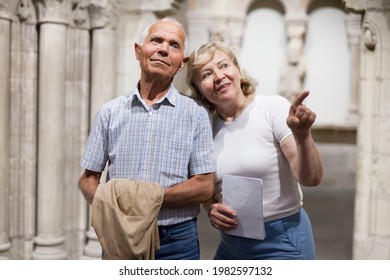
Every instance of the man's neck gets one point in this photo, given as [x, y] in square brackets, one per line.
[153, 91]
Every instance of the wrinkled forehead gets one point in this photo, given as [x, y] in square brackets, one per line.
[211, 54]
[168, 30]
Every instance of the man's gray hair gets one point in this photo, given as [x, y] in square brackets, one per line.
[145, 33]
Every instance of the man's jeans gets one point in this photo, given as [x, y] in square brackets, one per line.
[179, 242]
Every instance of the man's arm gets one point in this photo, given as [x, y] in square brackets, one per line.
[88, 184]
[198, 189]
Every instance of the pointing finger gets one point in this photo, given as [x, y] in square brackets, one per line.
[300, 98]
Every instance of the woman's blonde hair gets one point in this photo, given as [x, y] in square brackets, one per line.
[204, 54]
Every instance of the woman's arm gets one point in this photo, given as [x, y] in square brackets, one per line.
[300, 149]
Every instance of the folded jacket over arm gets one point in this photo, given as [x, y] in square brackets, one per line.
[124, 216]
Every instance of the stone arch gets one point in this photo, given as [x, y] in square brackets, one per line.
[276, 5]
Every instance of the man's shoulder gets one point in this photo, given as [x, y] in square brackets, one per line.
[185, 97]
[189, 100]
[117, 101]
[195, 106]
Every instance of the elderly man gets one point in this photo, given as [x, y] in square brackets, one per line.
[156, 134]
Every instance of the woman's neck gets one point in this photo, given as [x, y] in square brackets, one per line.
[232, 111]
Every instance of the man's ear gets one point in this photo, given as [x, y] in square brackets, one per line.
[137, 49]
[183, 63]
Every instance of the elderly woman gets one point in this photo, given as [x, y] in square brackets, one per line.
[257, 136]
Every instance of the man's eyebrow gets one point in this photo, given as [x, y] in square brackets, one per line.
[155, 37]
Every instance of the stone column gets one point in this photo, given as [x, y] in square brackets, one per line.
[295, 68]
[103, 19]
[50, 237]
[354, 33]
[23, 146]
[78, 69]
[371, 239]
[6, 12]
[236, 27]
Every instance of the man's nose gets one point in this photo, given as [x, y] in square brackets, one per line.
[163, 49]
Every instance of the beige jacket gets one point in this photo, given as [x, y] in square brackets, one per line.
[124, 216]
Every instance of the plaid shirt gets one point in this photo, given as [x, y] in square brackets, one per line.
[166, 143]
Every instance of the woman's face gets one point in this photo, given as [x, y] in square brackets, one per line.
[219, 80]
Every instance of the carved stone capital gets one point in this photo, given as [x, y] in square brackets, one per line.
[8, 9]
[159, 7]
[55, 11]
[354, 28]
[103, 13]
[364, 5]
[354, 5]
[296, 27]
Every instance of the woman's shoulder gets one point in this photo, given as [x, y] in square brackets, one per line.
[271, 100]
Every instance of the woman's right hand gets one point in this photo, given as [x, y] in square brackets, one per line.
[222, 217]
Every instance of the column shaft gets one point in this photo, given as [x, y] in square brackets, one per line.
[5, 26]
[52, 76]
[103, 67]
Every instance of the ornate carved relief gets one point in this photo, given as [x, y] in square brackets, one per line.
[295, 69]
[103, 14]
[80, 17]
[25, 11]
[369, 36]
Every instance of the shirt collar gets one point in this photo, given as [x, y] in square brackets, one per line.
[170, 96]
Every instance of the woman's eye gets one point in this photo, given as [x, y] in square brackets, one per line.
[206, 75]
[224, 65]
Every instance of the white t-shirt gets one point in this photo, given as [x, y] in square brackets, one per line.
[250, 147]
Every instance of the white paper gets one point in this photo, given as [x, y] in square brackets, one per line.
[245, 196]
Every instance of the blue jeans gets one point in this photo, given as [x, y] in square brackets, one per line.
[179, 242]
[289, 238]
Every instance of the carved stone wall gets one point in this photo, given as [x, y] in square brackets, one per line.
[372, 206]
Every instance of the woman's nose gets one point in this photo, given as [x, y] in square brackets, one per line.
[218, 75]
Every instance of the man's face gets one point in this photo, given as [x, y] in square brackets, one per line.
[162, 53]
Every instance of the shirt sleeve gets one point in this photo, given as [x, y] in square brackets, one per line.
[96, 152]
[201, 160]
[280, 110]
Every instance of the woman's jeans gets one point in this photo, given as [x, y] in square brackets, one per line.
[179, 242]
[289, 238]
